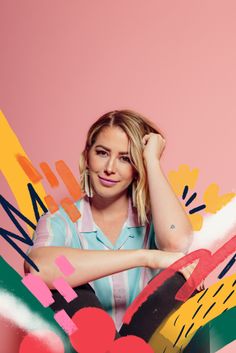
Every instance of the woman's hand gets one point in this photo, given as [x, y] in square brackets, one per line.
[163, 259]
[188, 270]
[154, 145]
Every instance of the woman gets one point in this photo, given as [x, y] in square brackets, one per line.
[129, 209]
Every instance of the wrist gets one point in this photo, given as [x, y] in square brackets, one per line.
[142, 257]
[150, 160]
[153, 259]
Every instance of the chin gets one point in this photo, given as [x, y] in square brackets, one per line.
[108, 193]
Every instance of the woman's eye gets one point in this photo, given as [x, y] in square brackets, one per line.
[101, 152]
[125, 159]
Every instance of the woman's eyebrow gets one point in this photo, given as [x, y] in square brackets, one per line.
[109, 150]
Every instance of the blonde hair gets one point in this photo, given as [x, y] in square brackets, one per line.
[135, 126]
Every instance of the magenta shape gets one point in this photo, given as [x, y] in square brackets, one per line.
[38, 288]
[64, 265]
[64, 289]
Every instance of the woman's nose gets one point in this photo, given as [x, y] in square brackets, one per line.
[110, 166]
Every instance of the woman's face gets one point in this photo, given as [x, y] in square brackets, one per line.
[110, 168]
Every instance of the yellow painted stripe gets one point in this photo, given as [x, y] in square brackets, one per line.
[179, 327]
[17, 180]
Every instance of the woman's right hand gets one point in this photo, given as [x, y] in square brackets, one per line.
[161, 259]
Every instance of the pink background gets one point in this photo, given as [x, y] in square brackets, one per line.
[64, 63]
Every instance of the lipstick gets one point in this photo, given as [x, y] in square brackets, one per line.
[107, 182]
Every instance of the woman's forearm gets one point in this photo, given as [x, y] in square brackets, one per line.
[172, 226]
[90, 265]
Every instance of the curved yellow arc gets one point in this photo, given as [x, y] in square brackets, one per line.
[17, 180]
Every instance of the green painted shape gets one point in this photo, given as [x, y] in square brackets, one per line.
[221, 331]
[215, 335]
[10, 281]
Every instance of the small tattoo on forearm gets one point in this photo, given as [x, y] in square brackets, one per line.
[172, 226]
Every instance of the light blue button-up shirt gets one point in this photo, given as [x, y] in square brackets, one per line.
[115, 292]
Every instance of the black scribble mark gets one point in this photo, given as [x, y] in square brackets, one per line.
[185, 192]
[191, 199]
[202, 295]
[186, 334]
[197, 209]
[176, 320]
[179, 336]
[196, 311]
[208, 310]
[227, 267]
[220, 287]
[228, 297]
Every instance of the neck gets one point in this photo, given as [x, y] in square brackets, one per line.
[110, 206]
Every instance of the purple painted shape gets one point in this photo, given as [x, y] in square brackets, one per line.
[63, 319]
[64, 289]
[64, 265]
[38, 288]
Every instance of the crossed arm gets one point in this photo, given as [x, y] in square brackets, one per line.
[172, 227]
[93, 264]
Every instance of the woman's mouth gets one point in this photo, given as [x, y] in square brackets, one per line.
[107, 182]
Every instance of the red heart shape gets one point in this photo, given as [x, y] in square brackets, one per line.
[130, 344]
[95, 333]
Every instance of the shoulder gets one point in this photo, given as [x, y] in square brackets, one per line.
[57, 229]
[60, 217]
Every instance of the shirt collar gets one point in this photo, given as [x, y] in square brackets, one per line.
[88, 225]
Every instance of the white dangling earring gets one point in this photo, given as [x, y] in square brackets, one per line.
[133, 196]
[87, 185]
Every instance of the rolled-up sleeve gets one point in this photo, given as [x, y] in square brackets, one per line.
[153, 244]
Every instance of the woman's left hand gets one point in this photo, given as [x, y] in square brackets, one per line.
[187, 272]
[154, 145]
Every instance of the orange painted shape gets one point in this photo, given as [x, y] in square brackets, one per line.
[70, 209]
[69, 180]
[51, 203]
[51, 177]
[29, 169]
